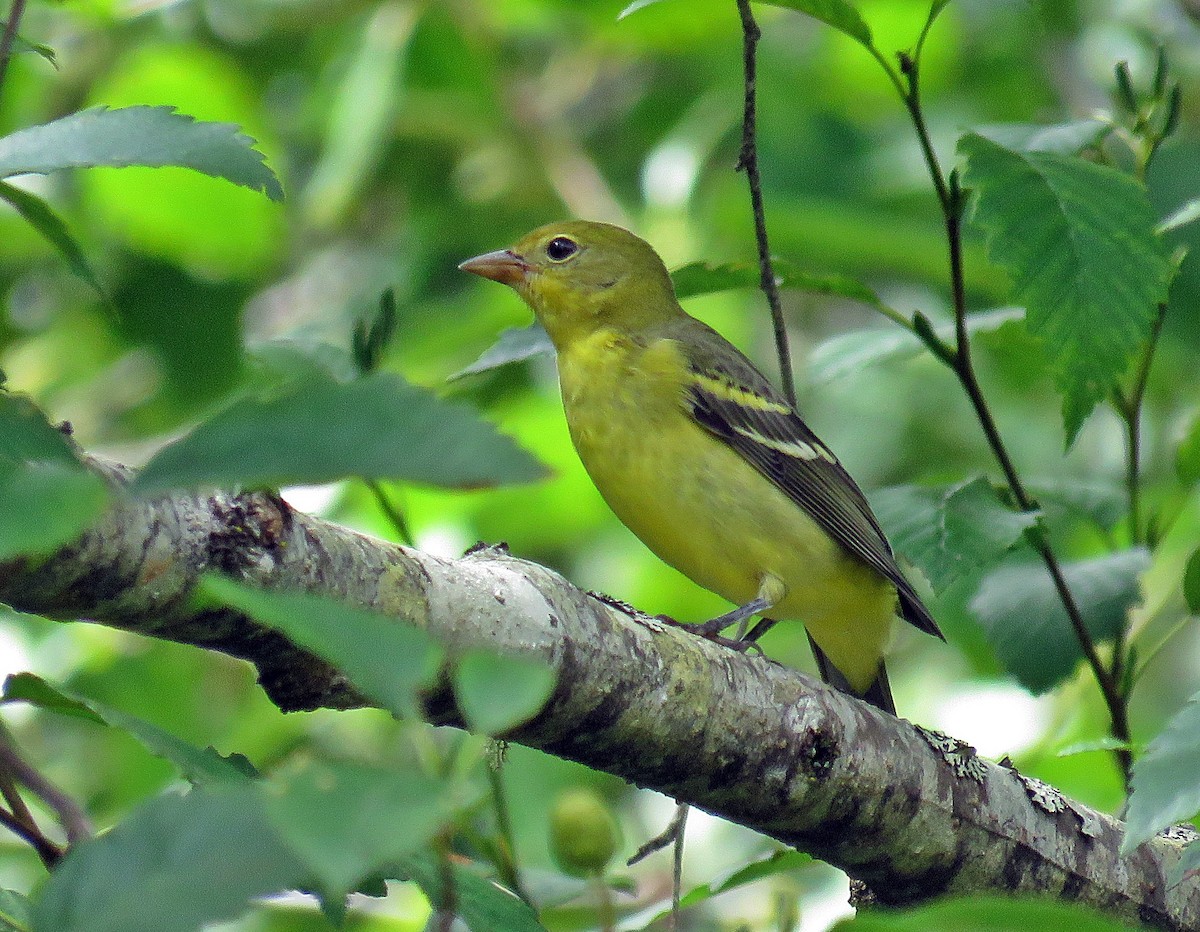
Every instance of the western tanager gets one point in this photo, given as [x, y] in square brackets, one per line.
[702, 458]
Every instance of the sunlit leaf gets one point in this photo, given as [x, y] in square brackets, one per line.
[1078, 240]
[1028, 627]
[25, 434]
[43, 219]
[1166, 779]
[175, 864]
[149, 136]
[949, 532]
[496, 693]
[1189, 212]
[515, 344]
[375, 427]
[387, 659]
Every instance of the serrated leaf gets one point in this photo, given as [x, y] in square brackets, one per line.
[836, 13]
[175, 864]
[1027, 626]
[149, 136]
[984, 913]
[1078, 240]
[16, 912]
[387, 659]
[848, 353]
[1166, 779]
[319, 430]
[45, 505]
[1191, 582]
[515, 344]
[698, 278]
[483, 904]
[1101, 502]
[345, 820]
[951, 531]
[199, 765]
[496, 693]
[41, 217]
[1060, 138]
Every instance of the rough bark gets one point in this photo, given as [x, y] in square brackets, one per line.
[911, 813]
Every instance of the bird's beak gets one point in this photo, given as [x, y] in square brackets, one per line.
[503, 265]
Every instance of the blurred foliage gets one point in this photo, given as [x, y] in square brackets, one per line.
[408, 136]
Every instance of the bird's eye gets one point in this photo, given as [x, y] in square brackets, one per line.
[561, 248]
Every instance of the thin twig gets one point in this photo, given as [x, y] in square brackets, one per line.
[952, 201]
[1130, 408]
[748, 162]
[70, 815]
[16, 11]
[681, 815]
[48, 851]
[391, 512]
[506, 865]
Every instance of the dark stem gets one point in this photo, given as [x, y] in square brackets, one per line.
[48, 851]
[506, 865]
[680, 822]
[16, 11]
[70, 815]
[1130, 408]
[391, 512]
[748, 162]
[952, 201]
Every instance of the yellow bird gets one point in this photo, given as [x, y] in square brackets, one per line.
[701, 457]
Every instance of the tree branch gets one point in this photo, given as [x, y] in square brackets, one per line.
[911, 813]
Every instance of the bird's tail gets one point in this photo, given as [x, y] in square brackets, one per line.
[879, 694]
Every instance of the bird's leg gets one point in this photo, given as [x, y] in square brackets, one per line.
[716, 625]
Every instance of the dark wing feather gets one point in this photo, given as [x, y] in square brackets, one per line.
[816, 483]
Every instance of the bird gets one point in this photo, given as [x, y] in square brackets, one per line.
[698, 454]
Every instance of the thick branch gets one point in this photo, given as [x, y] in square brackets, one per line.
[911, 814]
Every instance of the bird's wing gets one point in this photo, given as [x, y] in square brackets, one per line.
[733, 401]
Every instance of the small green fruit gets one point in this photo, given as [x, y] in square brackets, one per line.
[583, 833]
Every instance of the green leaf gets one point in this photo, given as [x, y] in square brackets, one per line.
[496, 693]
[199, 765]
[46, 505]
[1027, 626]
[483, 904]
[376, 427]
[951, 531]
[698, 278]
[515, 344]
[42, 218]
[389, 660]
[848, 353]
[16, 912]
[1078, 240]
[1191, 582]
[28, 687]
[345, 821]
[174, 864]
[979, 913]
[836, 13]
[1060, 138]
[25, 434]
[1187, 213]
[1187, 454]
[1166, 779]
[1101, 502]
[780, 862]
[23, 45]
[635, 6]
[149, 136]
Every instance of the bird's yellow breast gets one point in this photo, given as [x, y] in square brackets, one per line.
[705, 510]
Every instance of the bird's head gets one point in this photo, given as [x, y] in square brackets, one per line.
[579, 276]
